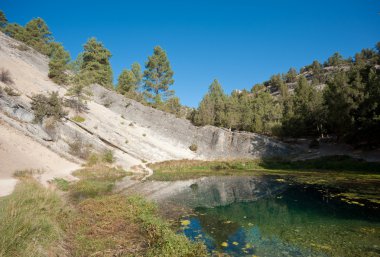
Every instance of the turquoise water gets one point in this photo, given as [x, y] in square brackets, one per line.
[301, 220]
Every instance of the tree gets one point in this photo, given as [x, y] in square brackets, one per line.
[158, 76]
[47, 106]
[291, 76]
[38, 36]
[338, 98]
[335, 60]
[212, 109]
[126, 82]
[79, 93]
[15, 31]
[276, 82]
[129, 80]
[58, 64]
[173, 106]
[136, 70]
[3, 20]
[75, 65]
[96, 67]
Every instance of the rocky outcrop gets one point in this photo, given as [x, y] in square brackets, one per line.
[135, 133]
[212, 142]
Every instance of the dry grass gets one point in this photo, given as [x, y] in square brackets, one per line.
[29, 222]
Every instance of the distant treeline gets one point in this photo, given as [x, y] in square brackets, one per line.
[339, 98]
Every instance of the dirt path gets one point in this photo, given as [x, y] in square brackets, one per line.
[20, 152]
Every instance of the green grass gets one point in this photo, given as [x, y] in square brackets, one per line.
[78, 118]
[92, 221]
[95, 181]
[29, 221]
[191, 169]
[108, 224]
[62, 184]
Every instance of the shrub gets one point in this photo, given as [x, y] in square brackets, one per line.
[193, 147]
[79, 149]
[11, 92]
[47, 106]
[5, 77]
[108, 157]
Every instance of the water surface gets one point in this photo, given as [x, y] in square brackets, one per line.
[273, 216]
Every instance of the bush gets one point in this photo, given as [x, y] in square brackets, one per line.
[5, 77]
[108, 157]
[47, 106]
[11, 92]
[193, 147]
[79, 149]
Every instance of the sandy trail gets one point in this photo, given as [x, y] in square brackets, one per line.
[19, 152]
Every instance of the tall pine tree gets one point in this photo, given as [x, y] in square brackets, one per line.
[96, 67]
[158, 76]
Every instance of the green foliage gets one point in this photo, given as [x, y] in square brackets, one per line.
[108, 156]
[291, 76]
[29, 221]
[62, 184]
[38, 36]
[15, 31]
[335, 60]
[212, 109]
[76, 64]
[257, 112]
[304, 116]
[96, 67]
[3, 20]
[47, 106]
[158, 76]
[79, 92]
[58, 64]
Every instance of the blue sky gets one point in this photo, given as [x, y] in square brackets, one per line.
[239, 42]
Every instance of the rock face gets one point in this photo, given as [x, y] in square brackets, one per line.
[134, 132]
[212, 142]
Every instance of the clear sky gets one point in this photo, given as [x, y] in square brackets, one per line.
[240, 42]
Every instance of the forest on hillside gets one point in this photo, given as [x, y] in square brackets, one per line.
[338, 99]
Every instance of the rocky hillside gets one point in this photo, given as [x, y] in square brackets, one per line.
[135, 133]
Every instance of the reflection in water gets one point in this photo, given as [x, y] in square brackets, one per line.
[298, 220]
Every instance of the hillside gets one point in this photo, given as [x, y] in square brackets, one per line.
[135, 133]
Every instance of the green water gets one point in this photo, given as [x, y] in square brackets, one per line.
[301, 220]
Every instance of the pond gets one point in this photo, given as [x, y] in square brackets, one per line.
[278, 216]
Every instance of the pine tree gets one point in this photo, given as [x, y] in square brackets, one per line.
[79, 92]
[38, 36]
[291, 76]
[96, 67]
[58, 64]
[158, 76]
[3, 20]
[126, 82]
[15, 31]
